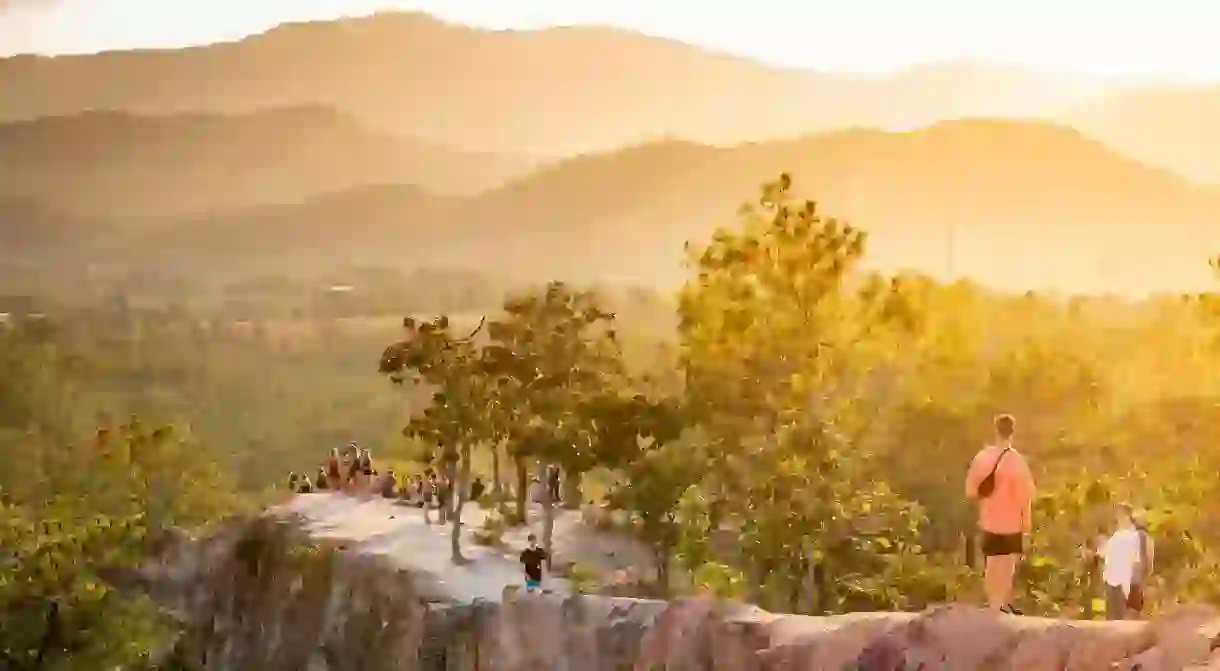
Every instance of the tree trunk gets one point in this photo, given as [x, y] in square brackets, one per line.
[457, 499]
[548, 519]
[1093, 571]
[522, 489]
[809, 584]
[446, 510]
[571, 490]
[495, 469]
[822, 585]
[797, 586]
[662, 559]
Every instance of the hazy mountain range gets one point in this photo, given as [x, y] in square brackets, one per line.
[118, 163]
[404, 140]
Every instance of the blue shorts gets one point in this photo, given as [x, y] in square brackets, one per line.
[532, 584]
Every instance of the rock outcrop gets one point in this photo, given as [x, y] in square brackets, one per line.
[268, 594]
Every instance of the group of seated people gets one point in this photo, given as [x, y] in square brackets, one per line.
[350, 470]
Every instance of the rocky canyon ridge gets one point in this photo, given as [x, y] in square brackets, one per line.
[303, 588]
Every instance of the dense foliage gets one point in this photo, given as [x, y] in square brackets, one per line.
[806, 445]
[792, 429]
[74, 521]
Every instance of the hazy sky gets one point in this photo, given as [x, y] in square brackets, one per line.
[1096, 36]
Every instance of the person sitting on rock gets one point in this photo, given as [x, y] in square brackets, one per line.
[333, 474]
[389, 485]
[366, 469]
[353, 476]
[321, 482]
[421, 492]
[350, 452]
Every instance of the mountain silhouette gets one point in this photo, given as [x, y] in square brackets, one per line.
[124, 164]
[559, 90]
[1015, 204]
[1175, 127]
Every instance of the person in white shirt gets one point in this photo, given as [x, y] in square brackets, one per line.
[1121, 558]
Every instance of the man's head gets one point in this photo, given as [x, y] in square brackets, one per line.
[1005, 427]
[533, 540]
[1124, 514]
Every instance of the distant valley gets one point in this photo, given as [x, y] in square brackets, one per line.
[403, 141]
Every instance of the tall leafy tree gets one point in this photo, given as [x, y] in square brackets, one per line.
[640, 436]
[557, 350]
[785, 346]
[459, 415]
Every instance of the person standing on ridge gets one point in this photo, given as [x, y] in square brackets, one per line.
[476, 489]
[999, 479]
[552, 481]
[531, 559]
[1126, 558]
[334, 476]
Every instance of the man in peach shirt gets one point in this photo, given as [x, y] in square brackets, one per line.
[1004, 511]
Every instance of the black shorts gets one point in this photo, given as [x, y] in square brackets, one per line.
[995, 545]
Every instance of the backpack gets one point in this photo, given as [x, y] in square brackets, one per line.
[1142, 571]
[987, 485]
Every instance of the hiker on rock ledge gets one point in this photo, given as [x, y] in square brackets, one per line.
[1126, 558]
[1000, 480]
[531, 560]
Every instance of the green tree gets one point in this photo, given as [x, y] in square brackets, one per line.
[556, 349]
[641, 438]
[787, 346]
[459, 416]
[73, 530]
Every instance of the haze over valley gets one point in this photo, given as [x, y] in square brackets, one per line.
[590, 153]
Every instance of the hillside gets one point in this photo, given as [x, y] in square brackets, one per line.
[31, 229]
[120, 163]
[389, 225]
[1028, 204]
[556, 90]
[1178, 128]
[1015, 204]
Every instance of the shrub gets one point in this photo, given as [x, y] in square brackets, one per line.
[491, 532]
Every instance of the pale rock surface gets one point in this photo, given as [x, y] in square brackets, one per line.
[325, 584]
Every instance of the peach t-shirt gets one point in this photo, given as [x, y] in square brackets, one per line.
[1007, 510]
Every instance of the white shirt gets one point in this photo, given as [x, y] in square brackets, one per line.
[1121, 554]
